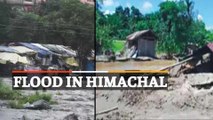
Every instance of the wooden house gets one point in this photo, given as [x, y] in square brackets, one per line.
[143, 41]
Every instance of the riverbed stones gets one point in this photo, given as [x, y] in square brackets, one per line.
[72, 116]
[199, 78]
[38, 105]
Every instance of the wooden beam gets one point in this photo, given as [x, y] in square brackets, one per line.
[107, 111]
[181, 62]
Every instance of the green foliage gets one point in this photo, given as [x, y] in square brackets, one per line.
[118, 45]
[102, 36]
[22, 29]
[16, 104]
[6, 93]
[102, 31]
[5, 14]
[209, 36]
[66, 22]
[175, 26]
[17, 99]
[115, 26]
[37, 96]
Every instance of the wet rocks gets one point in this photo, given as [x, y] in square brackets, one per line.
[25, 117]
[38, 105]
[4, 104]
[72, 116]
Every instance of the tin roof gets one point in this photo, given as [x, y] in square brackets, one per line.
[137, 34]
[210, 46]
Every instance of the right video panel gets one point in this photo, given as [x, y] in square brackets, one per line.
[154, 37]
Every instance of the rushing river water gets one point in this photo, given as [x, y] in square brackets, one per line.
[79, 102]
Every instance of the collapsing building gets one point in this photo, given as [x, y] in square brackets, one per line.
[141, 43]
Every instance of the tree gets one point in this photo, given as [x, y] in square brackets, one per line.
[102, 32]
[175, 22]
[67, 22]
[175, 26]
[209, 36]
[5, 14]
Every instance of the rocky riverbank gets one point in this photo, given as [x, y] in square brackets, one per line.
[70, 105]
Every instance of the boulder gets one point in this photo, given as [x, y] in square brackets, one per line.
[38, 105]
[72, 116]
[25, 117]
[199, 78]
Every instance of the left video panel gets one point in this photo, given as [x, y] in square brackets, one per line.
[45, 38]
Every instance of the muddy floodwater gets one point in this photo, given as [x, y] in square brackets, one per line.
[134, 65]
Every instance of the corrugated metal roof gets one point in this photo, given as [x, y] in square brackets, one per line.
[137, 34]
[22, 49]
[41, 52]
[60, 49]
[40, 46]
[69, 51]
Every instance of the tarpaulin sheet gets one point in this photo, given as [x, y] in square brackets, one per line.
[22, 49]
[60, 50]
[7, 49]
[69, 51]
[13, 58]
[71, 61]
[41, 52]
[3, 61]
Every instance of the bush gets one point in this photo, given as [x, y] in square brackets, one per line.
[118, 45]
[16, 104]
[6, 93]
[17, 99]
[37, 96]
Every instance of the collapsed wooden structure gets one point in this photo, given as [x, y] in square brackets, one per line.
[142, 43]
[201, 61]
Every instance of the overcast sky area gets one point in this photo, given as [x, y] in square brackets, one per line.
[203, 8]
